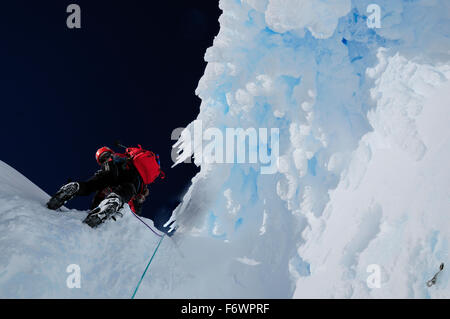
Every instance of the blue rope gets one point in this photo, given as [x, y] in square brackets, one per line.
[145, 271]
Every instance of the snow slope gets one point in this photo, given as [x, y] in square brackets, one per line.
[362, 176]
[38, 245]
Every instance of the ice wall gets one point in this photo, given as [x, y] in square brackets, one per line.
[337, 90]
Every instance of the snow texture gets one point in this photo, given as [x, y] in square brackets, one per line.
[363, 168]
[362, 178]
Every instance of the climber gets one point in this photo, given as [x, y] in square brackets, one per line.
[123, 178]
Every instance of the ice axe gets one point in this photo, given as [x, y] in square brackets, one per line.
[432, 281]
[117, 143]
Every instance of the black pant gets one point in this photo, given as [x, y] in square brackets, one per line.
[126, 185]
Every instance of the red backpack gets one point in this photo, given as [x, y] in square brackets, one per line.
[146, 162]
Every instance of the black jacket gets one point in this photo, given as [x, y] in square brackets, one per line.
[117, 175]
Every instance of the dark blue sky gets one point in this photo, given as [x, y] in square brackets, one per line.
[129, 73]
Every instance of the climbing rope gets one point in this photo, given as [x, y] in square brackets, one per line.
[146, 268]
[432, 281]
[154, 232]
[154, 253]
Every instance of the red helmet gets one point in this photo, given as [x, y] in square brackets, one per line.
[101, 152]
